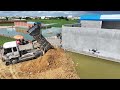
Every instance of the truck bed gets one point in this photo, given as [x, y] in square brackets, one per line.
[28, 46]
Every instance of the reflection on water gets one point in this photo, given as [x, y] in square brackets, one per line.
[22, 31]
[10, 29]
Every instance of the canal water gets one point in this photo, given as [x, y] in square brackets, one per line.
[20, 31]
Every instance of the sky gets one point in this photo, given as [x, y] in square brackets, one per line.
[53, 13]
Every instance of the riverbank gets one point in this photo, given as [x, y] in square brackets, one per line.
[22, 27]
[54, 22]
[7, 27]
[4, 39]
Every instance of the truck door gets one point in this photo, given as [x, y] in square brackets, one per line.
[15, 51]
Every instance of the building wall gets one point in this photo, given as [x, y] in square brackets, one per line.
[79, 39]
[91, 24]
[23, 24]
[101, 24]
[111, 24]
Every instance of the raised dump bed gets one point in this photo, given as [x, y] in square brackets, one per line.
[37, 35]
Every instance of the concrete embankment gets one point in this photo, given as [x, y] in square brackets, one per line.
[7, 26]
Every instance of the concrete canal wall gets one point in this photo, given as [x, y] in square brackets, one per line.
[81, 39]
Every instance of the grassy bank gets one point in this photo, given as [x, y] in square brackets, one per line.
[59, 22]
[4, 39]
[7, 24]
[93, 68]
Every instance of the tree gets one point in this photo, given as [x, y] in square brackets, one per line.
[28, 18]
[7, 18]
[66, 19]
[20, 18]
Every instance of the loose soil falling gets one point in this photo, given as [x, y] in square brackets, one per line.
[55, 64]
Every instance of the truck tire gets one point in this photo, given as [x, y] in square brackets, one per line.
[3, 60]
[35, 57]
[14, 61]
[7, 63]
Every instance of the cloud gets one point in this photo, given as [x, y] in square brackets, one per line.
[52, 13]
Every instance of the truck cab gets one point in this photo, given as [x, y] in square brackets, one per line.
[10, 51]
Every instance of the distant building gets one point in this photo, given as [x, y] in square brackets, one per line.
[97, 36]
[20, 24]
[76, 17]
[72, 17]
[42, 17]
[23, 24]
[32, 17]
[69, 17]
[2, 17]
[18, 19]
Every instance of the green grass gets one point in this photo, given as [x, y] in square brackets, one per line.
[7, 24]
[95, 68]
[59, 22]
[4, 39]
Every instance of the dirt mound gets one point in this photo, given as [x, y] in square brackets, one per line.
[49, 61]
[55, 64]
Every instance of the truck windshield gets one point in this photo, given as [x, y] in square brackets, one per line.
[7, 50]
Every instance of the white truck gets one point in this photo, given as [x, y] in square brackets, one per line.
[13, 53]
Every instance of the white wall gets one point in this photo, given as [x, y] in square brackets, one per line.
[80, 39]
[91, 24]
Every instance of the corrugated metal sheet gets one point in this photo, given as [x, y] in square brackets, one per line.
[90, 17]
[111, 17]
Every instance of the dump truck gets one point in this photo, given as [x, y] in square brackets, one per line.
[36, 33]
[13, 53]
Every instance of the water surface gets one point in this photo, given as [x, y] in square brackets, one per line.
[15, 31]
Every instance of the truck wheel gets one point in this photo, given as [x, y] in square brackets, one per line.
[3, 60]
[35, 58]
[14, 61]
[7, 63]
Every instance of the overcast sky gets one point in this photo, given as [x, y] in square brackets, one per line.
[53, 13]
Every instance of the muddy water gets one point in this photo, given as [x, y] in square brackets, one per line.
[22, 31]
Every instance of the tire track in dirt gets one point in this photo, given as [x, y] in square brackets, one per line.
[2, 69]
[13, 72]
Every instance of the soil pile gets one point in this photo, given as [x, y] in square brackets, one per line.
[55, 64]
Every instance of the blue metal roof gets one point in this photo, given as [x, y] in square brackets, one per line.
[99, 17]
[90, 17]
